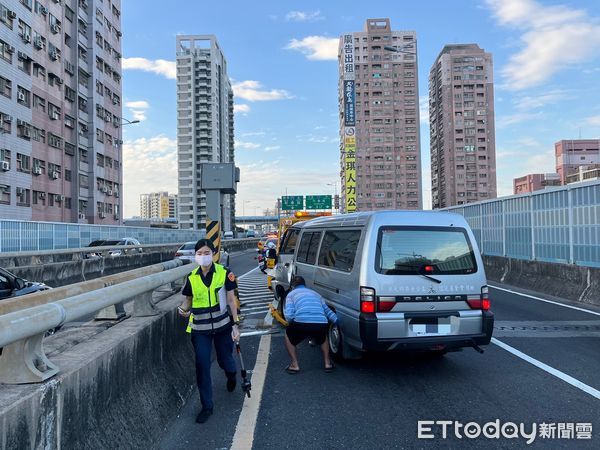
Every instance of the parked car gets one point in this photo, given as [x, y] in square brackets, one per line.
[13, 286]
[186, 252]
[126, 251]
[228, 235]
[398, 280]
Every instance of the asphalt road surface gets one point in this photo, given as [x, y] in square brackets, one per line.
[541, 372]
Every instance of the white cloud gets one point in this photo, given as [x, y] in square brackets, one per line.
[272, 148]
[254, 133]
[528, 102]
[157, 66]
[304, 16]
[241, 108]
[246, 145]
[319, 48]
[424, 109]
[138, 109]
[553, 38]
[517, 118]
[593, 120]
[149, 165]
[140, 104]
[251, 90]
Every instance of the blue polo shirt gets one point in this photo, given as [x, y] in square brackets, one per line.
[307, 306]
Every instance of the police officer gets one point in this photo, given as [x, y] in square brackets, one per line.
[208, 290]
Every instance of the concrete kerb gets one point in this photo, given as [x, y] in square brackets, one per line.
[106, 389]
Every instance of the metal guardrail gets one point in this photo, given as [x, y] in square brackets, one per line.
[22, 332]
[560, 225]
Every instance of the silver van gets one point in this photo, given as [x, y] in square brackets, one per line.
[398, 280]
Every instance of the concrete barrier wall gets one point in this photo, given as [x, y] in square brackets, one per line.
[571, 282]
[116, 390]
[56, 274]
[65, 267]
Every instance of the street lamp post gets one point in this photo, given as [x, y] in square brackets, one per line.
[128, 122]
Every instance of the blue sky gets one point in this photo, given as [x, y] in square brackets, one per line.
[282, 61]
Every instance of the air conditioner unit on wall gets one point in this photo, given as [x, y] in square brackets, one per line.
[102, 215]
[12, 14]
[42, 195]
[5, 166]
[21, 96]
[37, 170]
[54, 175]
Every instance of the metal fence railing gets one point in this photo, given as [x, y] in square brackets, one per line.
[20, 236]
[556, 225]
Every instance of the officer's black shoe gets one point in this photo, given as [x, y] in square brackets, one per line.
[231, 383]
[203, 415]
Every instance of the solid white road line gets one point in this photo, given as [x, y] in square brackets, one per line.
[545, 300]
[244, 431]
[551, 370]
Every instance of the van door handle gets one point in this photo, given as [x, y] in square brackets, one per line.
[326, 286]
[287, 264]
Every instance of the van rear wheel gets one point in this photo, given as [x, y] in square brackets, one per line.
[337, 347]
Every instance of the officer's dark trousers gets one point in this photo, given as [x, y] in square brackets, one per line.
[203, 349]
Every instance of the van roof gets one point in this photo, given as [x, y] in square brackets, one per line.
[434, 218]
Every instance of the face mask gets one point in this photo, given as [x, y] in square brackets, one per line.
[204, 260]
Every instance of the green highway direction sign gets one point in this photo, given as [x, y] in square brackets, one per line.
[318, 202]
[292, 203]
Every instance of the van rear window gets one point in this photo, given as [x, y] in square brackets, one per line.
[424, 250]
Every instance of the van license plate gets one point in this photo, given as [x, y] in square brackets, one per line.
[423, 327]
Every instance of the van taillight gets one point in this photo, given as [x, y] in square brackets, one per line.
[178, 254]
[367, 300]
[483, 302]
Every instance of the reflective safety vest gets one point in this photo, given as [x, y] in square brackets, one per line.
[209, 304]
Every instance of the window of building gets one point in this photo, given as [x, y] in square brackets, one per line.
[23, 96]
[23, 163]
[99, 135]
[54, 141]
[6, 51]
[5, 87]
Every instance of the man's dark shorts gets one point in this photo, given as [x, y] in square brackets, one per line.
[298, 331]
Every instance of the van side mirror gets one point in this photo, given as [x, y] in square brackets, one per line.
[19, 283]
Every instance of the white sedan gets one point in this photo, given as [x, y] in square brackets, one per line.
[186, 252]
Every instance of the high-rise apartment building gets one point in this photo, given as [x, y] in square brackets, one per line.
[60, 111]
[204, 126]
[461, 122]
[573, 154]
[379, 119]
[158, 205]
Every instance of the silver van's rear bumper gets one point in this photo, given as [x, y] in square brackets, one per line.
[398, 331]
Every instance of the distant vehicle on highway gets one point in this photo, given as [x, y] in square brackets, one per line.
[396, 279]
[99, 243]
[228, 235]
[250, 233]
[187, 252]
[111, 243]
[126, 251]
[13, 286]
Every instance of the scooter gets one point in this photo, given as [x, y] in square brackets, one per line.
[262, 261]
